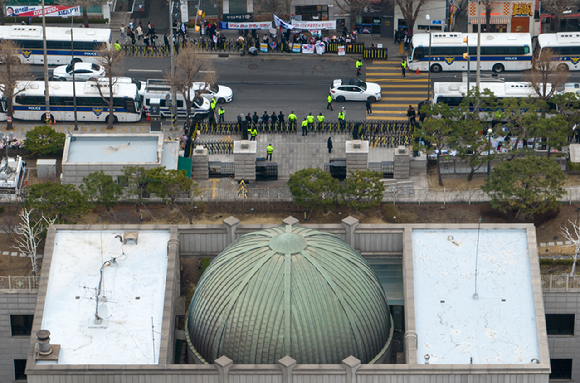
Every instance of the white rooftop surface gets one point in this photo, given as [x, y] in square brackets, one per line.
[487, 329]
[113, 149]
[74, 271]
[170, 154]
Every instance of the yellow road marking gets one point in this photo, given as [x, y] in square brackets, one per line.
[214, 188]
[389, 118]
[388, 79]
[390, 112]
[391, 85]
[381, 105]
[406, 98]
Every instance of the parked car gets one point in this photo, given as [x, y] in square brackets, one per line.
[221, 93]
[355, 90]
[82, 71]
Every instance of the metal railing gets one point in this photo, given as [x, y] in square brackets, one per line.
[27, 282]
[563, 282]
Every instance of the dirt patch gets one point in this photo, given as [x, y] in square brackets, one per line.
[13, 265]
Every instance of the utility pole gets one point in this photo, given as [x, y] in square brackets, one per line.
[478, 46]
[72, 62]
[173, 42]
[46, 86]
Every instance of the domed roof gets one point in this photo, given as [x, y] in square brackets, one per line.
[289, 291]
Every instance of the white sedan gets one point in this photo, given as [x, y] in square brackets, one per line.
[355, 90]
[219, 92]
[82, 71]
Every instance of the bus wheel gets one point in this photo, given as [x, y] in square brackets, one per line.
[563, 68]
[43, 119]
[436, 68]
[76, 60]
[115, 120]
[497, 68]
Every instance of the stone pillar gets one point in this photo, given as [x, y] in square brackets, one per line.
[357, 156]
[287, 365]
[223, 365]
[231, 224]
[245, 160]
[200, 163]
[291, 221]
[351, 364]
[402, 165]
[226, 7]
[350, 223]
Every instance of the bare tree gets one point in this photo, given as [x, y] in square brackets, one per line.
[488, 7]
[11, 73]
[280, 8]
[572, 235]
[191, 66]
[110, 59]
[85, 4]
[410, 10]
[558, 8]
[31, 235]
[546, 75]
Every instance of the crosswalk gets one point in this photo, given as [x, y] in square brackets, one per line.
[398, 92]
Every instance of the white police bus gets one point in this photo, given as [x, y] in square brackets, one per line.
[565, 46]
[499, 51]
[29, 105]
[453, 93]
[86, 43]
[161, 89]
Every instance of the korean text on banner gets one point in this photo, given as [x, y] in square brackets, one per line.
[264, 47]
[315, 24]
[296, 48]
[341, 50]
[50, 11]
[260, 25]
[307, 48]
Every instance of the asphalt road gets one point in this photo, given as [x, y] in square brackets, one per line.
[281, 83]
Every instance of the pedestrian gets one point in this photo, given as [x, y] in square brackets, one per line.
[255, 118]
[213, 104]
[265, 117]
[341, 117]
[274, 118]
[250, 129]
[329, 145]
[292, 120]
[411, 115]
[369, 107]
[249, 119]
[122, 29]
[305, 127]
[329, 99]
[240, 121]
[132, 37]
[281, 119]
[358, 67]
[310, 119]
[270, 150]
[403, 66]
[139, 32]
[320, 119]
[221, 114]
[397, 37]
[140, 7]
[166, 41]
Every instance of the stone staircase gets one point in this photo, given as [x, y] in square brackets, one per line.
[120, 14]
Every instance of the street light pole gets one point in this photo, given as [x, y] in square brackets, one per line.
[46, 86]
[478, 44]
[72, 61]
[429, 69]
[489, 131]
[173, 41]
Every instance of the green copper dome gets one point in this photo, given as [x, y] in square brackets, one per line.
[289, 291]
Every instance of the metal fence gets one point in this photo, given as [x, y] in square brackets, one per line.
[19, 282]
[233, 46]
[563, 282]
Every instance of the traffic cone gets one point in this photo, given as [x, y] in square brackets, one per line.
[417, 71]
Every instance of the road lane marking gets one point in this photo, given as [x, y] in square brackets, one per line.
[145, 70]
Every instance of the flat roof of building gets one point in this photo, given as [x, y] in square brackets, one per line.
[113, 149]
[130, 303]
[496, 326]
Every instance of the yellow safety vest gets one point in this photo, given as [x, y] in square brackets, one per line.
[340, 115]
[117, 46]
[292, 117]
[305, 123]
[404, 64]
[329, 98]
[320, 118]
[254, 132]
[213, 103]
[358, 64]
[270, 149]
[221, 111]
[310, 119]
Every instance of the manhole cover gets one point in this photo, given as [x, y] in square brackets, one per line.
[318, 67]
[253, 66]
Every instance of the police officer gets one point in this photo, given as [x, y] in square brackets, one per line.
[358, 67]
[221, 113]
[310, 119]
[320, 119]
[270, 150]
[305, 126]
[403, 66]
[341, 118]
[254, 134]
[213, 104]
[250, 130]
[281, 119]
[329, 105]
[292, 119]
[117, 46]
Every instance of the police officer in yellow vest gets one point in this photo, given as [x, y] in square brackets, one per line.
[329, 99]
[292, 119]
[254, 134]
[341, 118]
[270, 149]
[213, 104]
[221, 113]
[305, 126]
[117, 46]
[403, 66]
[358, 67]
[310, 119]
[320, 119]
